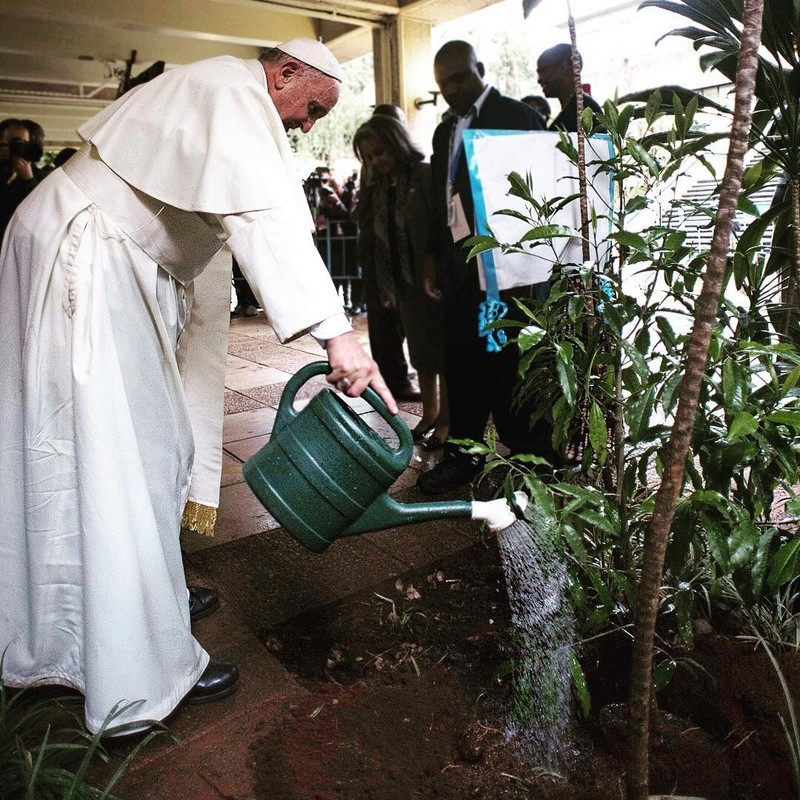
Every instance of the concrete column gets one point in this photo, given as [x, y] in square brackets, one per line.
[403, 60]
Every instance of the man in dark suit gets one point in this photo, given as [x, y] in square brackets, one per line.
[480, 384]
[554, 71]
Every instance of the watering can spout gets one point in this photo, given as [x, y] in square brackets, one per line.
[386, 512]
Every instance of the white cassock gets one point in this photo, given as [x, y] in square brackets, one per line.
[96, 445]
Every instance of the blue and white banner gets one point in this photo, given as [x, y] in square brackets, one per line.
[491, 156]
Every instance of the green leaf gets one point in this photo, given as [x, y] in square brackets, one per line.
[791, 381]
[598, 433]
[652, 107]
[625, 116]
[480, 244]
[790, 418]
[598, 520]
[752, 174]
[667, 332]
[743, 424]
[663, 673]
[527, 458]
[747, 206]
[587, 121]
[784, 565]
[717, 541]
[581, 687]
[576, 305]
[691, 111]
[758, 569]
[575, 541]
[566, 372]
[519, 186]
[637, 359]
[752, 237]
[510, 212]
[732, 385]
[600, 587]
[640, 155]
[632, 240]
[636, 203]
[544, 232]
[639, 412]
[529, 337]
[680, 116]
[540, 495]
[742, 543]
[684, 605]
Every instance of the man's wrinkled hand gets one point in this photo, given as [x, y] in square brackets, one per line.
[352, 369]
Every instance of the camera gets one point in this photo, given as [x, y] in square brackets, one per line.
[316, 181]
[30, 151]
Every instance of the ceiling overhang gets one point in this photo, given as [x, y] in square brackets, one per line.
[62, 60]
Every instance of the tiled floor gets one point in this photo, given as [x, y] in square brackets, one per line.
[265, 577]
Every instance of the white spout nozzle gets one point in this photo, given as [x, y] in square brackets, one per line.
[498, 514]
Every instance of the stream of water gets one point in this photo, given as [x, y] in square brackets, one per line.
[541, 715]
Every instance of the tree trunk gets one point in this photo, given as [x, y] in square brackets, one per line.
[793, 290]
[676, 451]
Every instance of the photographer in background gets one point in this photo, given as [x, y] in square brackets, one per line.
[19, 175]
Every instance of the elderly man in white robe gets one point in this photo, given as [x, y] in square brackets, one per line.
[97, 270]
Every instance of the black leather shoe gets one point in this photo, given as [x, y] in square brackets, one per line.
[202, 601]
[452, 472]
[218, 680]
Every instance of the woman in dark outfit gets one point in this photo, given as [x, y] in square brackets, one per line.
[393, 240]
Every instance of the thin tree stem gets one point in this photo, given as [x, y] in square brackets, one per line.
[794, 279]
[576, 72]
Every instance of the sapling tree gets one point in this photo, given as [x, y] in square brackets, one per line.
[655, 542]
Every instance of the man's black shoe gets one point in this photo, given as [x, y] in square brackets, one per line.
[218, 680]
[453, 471]
[202, 601]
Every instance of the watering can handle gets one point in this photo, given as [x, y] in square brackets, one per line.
[286, 410]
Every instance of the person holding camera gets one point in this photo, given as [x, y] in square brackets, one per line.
[19, 175]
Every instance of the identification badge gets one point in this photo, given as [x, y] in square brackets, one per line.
[456, 219]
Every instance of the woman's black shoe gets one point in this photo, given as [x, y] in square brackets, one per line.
[418, 434]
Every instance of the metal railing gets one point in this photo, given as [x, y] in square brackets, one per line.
[338, 247]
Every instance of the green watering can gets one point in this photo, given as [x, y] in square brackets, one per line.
[325, 473]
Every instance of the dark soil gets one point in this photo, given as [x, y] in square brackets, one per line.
[409, 688]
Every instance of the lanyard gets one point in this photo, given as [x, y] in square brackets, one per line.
[492, 307]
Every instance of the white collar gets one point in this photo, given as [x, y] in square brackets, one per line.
[478, 104]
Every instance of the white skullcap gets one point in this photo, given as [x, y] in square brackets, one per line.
[313, 53]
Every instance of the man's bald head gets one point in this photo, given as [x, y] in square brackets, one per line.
[459, 75]
[302, 93]
[554, 72]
